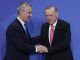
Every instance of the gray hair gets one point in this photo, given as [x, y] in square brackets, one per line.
[51, 6]
[22, 6]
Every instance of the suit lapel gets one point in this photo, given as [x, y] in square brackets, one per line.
[20, 26]
[47, 34]
[57, 29]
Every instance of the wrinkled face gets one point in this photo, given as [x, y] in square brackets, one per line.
[51, 15]
[26, 13]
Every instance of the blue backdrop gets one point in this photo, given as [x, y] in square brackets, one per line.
[69, 10]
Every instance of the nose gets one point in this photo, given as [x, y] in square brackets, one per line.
[49, 17]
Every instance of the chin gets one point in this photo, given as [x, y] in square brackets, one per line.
[50, 23]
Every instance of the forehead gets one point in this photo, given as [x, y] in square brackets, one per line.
[27, 8]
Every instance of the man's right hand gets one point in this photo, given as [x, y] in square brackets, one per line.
[41, 49]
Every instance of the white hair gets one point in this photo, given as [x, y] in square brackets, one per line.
[22, 6]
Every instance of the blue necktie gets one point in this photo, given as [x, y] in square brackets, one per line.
[26, 30]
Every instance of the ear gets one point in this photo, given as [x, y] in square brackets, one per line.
[21, 12]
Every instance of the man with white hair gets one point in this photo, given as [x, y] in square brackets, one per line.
[19, 42]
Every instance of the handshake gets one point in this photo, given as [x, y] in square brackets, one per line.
[41, 49]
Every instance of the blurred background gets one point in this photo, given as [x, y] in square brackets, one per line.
[69, 10]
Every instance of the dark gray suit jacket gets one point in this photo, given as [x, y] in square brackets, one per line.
[60, 48]
[18, 45]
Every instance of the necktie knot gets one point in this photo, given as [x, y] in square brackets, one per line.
[52, 27]
[25, 26]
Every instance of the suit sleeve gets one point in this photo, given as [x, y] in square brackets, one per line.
[42, 36]
[14, 37]
[65, 42]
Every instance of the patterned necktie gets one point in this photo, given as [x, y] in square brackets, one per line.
[51, 34]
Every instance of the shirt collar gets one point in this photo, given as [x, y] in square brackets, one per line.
[55, 23]
[22, 22]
